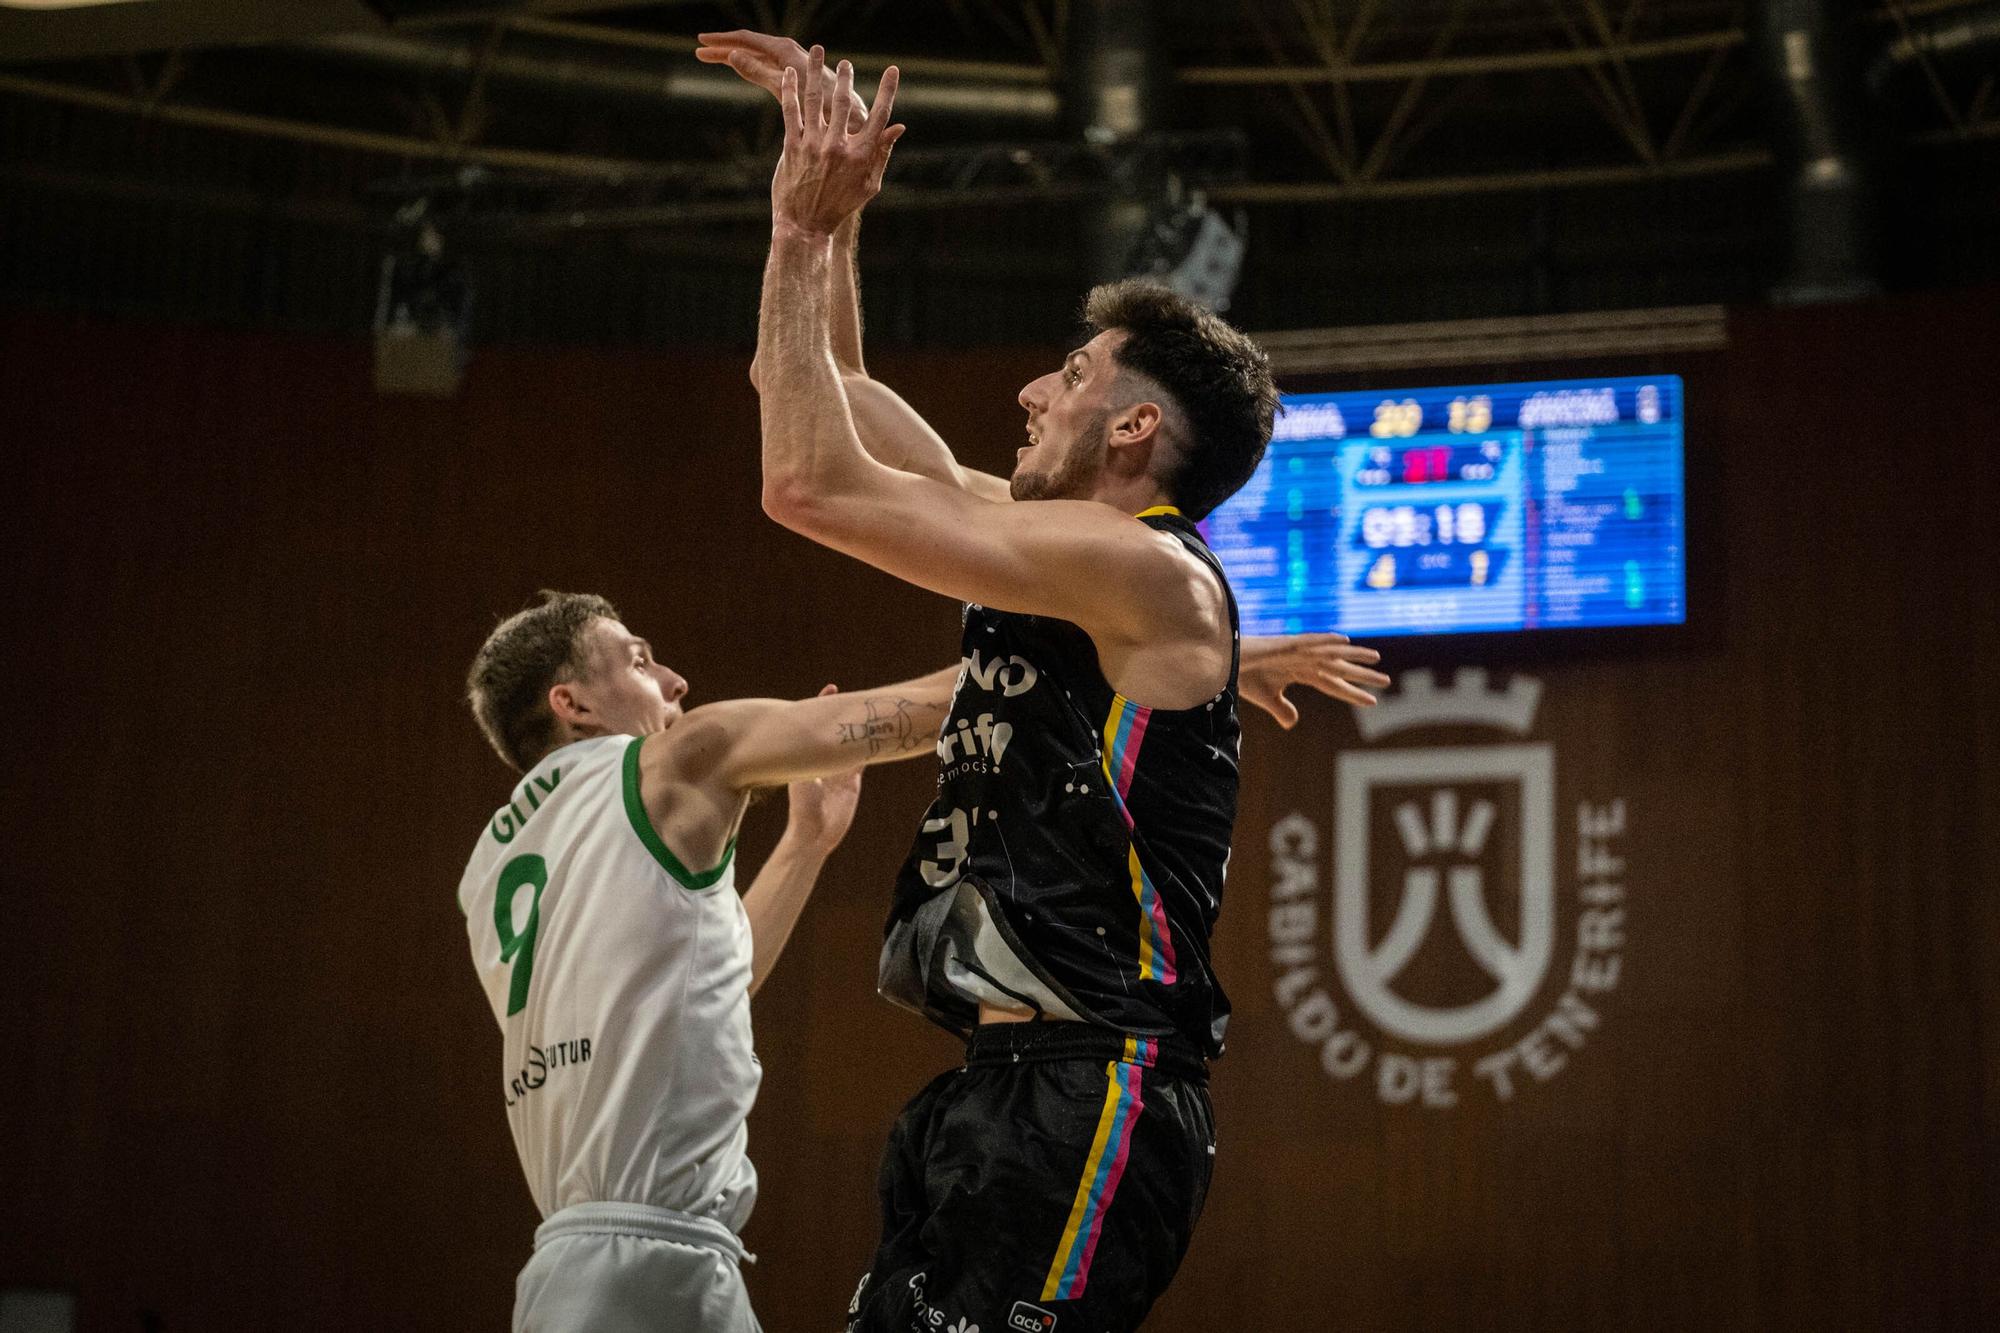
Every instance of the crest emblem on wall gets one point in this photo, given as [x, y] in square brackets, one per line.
[1448, 936]
[1444, 834]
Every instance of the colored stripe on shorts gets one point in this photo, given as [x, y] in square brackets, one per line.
[1070, 1270]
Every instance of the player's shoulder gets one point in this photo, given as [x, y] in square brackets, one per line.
[1155, 558]
[1184, 588]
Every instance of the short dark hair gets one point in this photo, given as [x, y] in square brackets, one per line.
[528, 653]
[1217, 377]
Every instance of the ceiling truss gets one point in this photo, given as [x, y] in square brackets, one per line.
[1365, 92]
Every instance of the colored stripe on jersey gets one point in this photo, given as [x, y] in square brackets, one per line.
[1063, 871]
[1124, 733]
[1102, 1169]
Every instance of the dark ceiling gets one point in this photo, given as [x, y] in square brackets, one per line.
[1389, 159]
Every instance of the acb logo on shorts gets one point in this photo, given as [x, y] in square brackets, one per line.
[1026, 1318]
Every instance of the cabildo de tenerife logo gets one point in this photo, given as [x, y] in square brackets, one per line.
[1457, 967]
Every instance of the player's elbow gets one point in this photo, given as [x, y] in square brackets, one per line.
[789, 503]
[812, 512]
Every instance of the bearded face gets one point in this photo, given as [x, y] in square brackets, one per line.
[1054, 469]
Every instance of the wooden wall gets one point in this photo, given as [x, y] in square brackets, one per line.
[253, 1083]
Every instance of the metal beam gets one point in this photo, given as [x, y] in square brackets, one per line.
[1962, 40]
[975, 71]
[184, 194]
[1983, 129]
[1390, 71]
[1469, 342]
[1680, 136]
[1324, 192]
[1617, 99]
[893, 199]
[729, 177]
[680, 82]
[1413, 91]
[614, 170]
[1336, 152]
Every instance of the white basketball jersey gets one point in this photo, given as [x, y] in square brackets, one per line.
[622, 986]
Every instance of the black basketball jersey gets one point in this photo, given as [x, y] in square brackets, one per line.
[1095, 832]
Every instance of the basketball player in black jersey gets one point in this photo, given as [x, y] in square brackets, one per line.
[1058, 903]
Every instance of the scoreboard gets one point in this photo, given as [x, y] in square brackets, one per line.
[1445, 511]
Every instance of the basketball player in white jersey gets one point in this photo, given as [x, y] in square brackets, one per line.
[619, 959]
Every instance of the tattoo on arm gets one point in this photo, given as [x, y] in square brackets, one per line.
[887, 724]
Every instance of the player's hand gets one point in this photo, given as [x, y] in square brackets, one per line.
[1325, 662]
[762, 59]
[828, 173]
[822, 809]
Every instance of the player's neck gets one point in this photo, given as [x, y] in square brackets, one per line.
[1135, 496]
[570, 734]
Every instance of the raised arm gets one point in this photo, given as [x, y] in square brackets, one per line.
[1079, 560]
[894, 433]
[694, 777]
[744, 743]
[844, 316]
[891, 430]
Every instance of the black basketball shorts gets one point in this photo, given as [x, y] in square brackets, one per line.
[1051, 1185]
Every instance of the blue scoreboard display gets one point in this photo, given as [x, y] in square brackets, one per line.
[1447, 511]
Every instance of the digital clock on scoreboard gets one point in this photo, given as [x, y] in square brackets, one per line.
[1445, 511]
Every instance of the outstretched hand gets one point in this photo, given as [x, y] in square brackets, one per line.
[763, 59]
[1325, 662]
[827, 172]
[823, 808]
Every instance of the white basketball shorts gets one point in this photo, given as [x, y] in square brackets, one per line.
[628, 1268]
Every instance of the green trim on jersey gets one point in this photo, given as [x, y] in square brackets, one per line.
[642, 824]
